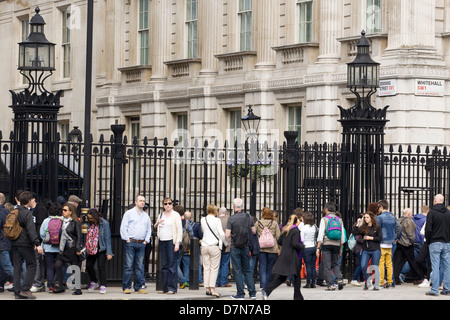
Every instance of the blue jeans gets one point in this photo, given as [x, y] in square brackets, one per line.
[169, 268]
[266, 261]
[6, 264]
[240, 260]
[183, 272]
[309, 256]
[365, 257]
[439, 253]
[134, 256]
[224, 269]
[358, 271]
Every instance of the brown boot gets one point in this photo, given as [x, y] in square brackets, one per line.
[26, 295]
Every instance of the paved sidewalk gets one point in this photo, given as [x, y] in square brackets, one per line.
[403, 292]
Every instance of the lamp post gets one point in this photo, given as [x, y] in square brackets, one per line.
[251, 126]
[35, 117]
[362, 179]
[36, 54]
[363, 74]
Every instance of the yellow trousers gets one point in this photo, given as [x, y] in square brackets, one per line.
[386, 259]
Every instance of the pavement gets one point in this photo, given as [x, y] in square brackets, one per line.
[404, 292]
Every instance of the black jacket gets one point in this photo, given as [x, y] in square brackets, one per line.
[370, 245]
[28, 237]
[437, 228]
[5, 244]
[74, 231]
[288, 261]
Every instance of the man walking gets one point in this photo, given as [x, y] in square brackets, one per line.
[331, 244]
[23, 248]
[135, 230]
[238, 229]
[437, 235]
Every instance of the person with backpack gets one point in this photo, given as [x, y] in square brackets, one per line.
[239, 225]
[212, 242]
[330, 240]
[23, 245]
[50, 241]
[268, 234]
[5, 247]
[309, 235]
[191, 229]
[98, 248]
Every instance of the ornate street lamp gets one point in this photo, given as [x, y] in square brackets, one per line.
[251, 123]
[36, 55]
[363, 74]
[35, 116]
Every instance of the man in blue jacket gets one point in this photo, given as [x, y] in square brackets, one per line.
[390, 230]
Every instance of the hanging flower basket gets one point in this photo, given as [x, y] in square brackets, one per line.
[262, 172]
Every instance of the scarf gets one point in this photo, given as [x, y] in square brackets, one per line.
[65, 238]
[92, 240]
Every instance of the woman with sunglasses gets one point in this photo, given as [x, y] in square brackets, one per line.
[169, 231]
[70, 244]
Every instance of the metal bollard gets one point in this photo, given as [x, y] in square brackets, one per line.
[194, 267]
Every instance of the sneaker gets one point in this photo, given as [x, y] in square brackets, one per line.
[340, 285]
[402, 278]
[236, 297]
[330, 288]
[264, 295]
[127, 291]
[355, 283]
[93, 286]
[102, 289]
[252, 297]
[141, 291]
[184, 285]
[37, 289]
[425, 284]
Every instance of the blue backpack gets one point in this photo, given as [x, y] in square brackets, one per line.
[333, 229]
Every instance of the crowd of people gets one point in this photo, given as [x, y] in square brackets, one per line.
[386, 249]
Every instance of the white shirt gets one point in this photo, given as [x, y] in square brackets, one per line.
[216, 226]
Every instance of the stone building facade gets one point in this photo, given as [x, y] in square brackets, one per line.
[187, 69]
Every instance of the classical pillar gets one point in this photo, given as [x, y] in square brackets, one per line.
[160, 17]
[411, 24]
[208, 29]
[331, 21]
[266, 19]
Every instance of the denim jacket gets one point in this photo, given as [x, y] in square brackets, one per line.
[389, 228]
[104, 237]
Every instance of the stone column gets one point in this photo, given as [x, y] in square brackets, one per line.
[160, 26]
[411, 24]
[208, 34]
[331, 24]
[265, 30]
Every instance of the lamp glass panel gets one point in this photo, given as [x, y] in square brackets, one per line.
[43, 55]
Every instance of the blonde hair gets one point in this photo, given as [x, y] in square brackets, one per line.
[293, 219]
[211, 209]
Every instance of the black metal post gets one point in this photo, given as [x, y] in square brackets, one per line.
[291, 174]
[87, 110]
[194, 267]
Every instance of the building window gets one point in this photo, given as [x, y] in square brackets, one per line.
[294, 115]
[64, 131]
[135, 128]
[245, 20]
[182, 129]
[66, 42]
[234, 128]
[191, 28]
[373, 16]
[305, 17]
[143, 32]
